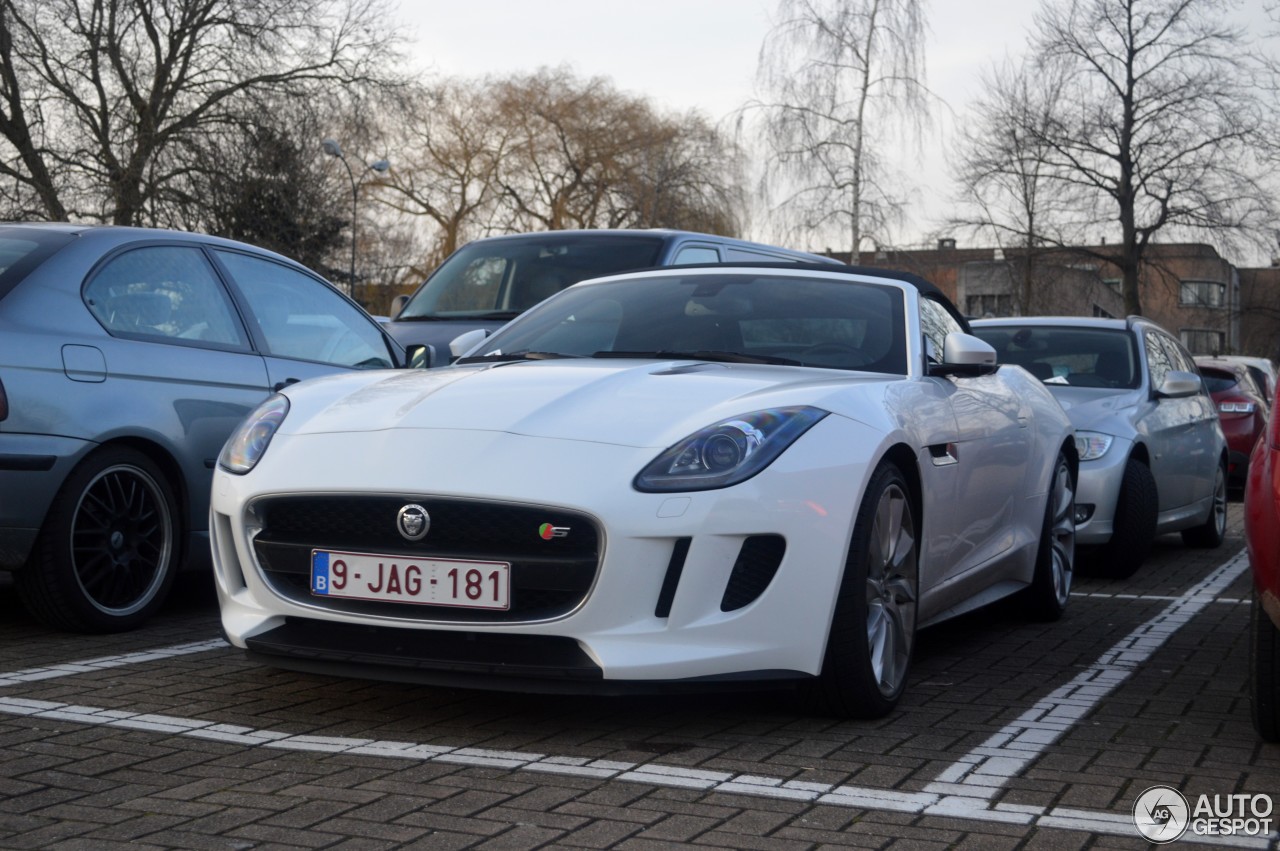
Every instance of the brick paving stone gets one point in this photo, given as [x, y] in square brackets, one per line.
[600, 833]
[1181, 719]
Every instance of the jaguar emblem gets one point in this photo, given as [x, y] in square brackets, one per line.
[413, 521]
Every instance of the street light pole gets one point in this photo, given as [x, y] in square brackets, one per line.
[333, 149]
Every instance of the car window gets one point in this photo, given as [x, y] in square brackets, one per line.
[502, 277]
[1160, 358]
[836, 324]
[165, 291]
[936, 323]
[746, 255]
[302, 318]
[1071, 355]
[696, 254]
[1216, 381]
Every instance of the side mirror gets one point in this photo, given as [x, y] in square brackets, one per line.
[1178, 384]
[965, 354]
[464, 343]
[419, 356]
[397, 305]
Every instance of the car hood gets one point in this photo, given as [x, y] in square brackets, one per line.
[629, 402]
[1089, 408]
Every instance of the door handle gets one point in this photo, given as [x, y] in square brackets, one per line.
[280, 385]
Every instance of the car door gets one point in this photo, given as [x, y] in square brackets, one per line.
[1179, 431]
[988, 462]
[304, 327]
[178, 368]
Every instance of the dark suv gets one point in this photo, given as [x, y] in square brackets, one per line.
[489, 281]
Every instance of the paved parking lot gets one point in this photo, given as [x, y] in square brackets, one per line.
[1012, 735]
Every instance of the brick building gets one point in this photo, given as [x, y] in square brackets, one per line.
[1189, 288]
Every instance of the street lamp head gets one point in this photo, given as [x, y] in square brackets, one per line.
[380, 166]
[332, 148]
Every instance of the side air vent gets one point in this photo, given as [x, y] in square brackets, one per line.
[669, 582]
[757, 562]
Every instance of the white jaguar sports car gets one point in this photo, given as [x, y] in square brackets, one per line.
[658, 480]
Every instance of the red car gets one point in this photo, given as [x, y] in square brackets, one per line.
[1242, 409]
[1262, 533]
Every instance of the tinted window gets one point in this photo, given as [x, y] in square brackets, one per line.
[816, 322]
[1216, 381]
[696, 254]
[746, 255]
[302, 318]
[505, 276]
[1080, 357]
[166, 291]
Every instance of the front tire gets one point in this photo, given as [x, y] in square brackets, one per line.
[1134, 526]
[868, 655]
[1046, 598]
[1264, 672]
[1210, 534]
[109, 548]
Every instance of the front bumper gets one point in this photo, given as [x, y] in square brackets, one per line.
[640, 620]
[1099, 486]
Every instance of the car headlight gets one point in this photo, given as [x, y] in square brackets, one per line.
[244, 449]
[1092, 444]
[728, 452]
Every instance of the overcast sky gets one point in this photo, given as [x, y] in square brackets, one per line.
[701, 54]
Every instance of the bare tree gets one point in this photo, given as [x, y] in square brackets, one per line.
[1001, 170]
[102, 100]
[451, 141]
[1158, 125]
[838, 76]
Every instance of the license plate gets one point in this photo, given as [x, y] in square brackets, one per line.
[396, 579]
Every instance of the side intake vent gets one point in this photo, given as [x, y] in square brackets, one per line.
[669, 582]
[757, 562]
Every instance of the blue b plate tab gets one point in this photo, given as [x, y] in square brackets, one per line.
[319, 572]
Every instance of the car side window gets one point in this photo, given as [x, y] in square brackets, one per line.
[1159, 358]
[696, 254]
[936, 323]
[302, 318]
[165, 291]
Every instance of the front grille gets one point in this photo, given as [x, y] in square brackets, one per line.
[549, 576]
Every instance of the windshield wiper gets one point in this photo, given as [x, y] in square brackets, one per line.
[497, 357]
[702, 354]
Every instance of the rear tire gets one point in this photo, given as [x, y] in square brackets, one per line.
[1210, 534]
[1264, 672]
[868, 655]
[109, 548]
[1134, 527]
[1050, 589]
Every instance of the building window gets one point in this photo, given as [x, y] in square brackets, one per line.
[989, 304]
[1202, 294]
[1099, 310]
[1201, 341]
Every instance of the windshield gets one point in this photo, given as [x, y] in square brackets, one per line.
[1079, 357]
[502, 277]
[736, 317]
[23, 249]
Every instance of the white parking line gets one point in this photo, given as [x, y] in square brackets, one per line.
[984, 771]
[963, 790]
[50, 672]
